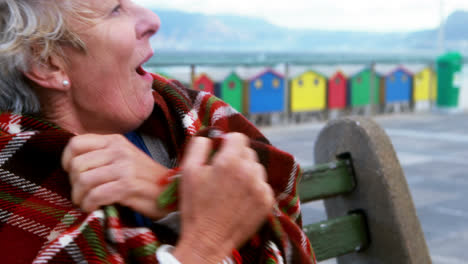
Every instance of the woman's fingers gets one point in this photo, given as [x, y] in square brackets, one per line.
[108, 169]
[105, 194]
[250, 154]
[89, 161]
[141, 199]
[197, 153]
[227, 195]
[81, 144]
[86, 181]
[138, 195]
[235, 143]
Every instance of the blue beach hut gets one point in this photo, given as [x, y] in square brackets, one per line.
[266, 93]
[398, 86]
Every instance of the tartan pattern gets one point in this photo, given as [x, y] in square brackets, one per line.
[43, 226]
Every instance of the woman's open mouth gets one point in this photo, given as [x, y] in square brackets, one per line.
[144, 74]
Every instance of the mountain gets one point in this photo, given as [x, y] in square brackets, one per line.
[198, 32]
[456, 34]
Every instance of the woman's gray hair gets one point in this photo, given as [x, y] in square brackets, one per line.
[30, 32]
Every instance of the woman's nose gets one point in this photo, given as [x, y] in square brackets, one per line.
[148, 23]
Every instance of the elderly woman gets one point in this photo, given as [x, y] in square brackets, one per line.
[101, 161]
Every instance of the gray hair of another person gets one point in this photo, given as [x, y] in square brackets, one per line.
[31, 31]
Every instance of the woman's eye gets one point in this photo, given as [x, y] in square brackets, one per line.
[116, 10]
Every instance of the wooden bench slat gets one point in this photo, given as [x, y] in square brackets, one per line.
[337, 237]
[326, 180]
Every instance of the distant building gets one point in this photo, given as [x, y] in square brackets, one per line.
[337, 91]
[398, 86]
[204, 83]
[266, 93]
[308, 92]
[425, 85]
[232, 91]
[360, 88]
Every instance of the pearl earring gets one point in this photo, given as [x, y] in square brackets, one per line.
[66, 83]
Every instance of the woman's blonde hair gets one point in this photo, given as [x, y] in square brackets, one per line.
[30, 32]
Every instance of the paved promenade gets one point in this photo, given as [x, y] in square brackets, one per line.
[433, 151]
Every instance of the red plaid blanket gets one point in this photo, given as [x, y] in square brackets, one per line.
[38, 222]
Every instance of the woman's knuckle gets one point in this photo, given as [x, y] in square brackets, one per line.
[92, 199]
[260, 171]
[74, 143]
[257, 188]
[116, 138]
[75, 197]
[222, 162]
[248, 169]
[131, 189]
[240, 138]
[125, 172]
[252, 154]
[74, 164]
[84, 181]
[269, 197]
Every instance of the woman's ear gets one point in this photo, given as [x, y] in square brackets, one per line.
[50, 74]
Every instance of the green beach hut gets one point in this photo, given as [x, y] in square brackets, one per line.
[360, 88]
[449, 68]
[232, 91]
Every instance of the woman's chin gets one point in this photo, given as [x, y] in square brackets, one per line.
[146, 107]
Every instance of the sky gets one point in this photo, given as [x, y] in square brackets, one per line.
[355, 15]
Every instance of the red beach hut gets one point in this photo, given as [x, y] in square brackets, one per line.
[204, 83]
[337, 86]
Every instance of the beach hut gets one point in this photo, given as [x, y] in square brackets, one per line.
[398, 86]
[232, 91]
[266, 93]
[204, 83]
[337, 91]
[360, 88]
[449, 83]
[308, 92]
[424, 85]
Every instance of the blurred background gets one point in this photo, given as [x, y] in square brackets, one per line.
[290, 66]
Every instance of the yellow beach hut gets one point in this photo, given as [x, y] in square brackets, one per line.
[308, 92]
[425, 85]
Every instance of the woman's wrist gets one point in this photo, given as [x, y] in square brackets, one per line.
[165, 255]
[199, 251]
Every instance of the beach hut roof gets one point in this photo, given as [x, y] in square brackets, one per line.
[324, 70]
[360, 72]
[389, 69]
[328, 71]
[268, 70]
[233, 73]
[309, 71]
[201, 75]
[400, 68]
[248, 73]
[416, 68]
[216, 74]
[338, 73]
[350, 70]
[386, 69]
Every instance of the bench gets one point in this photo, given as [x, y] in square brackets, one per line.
[371, 215]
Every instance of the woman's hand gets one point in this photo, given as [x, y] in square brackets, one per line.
[222, 203]
[108, 169]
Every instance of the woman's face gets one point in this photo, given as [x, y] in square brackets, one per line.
[109, 90]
